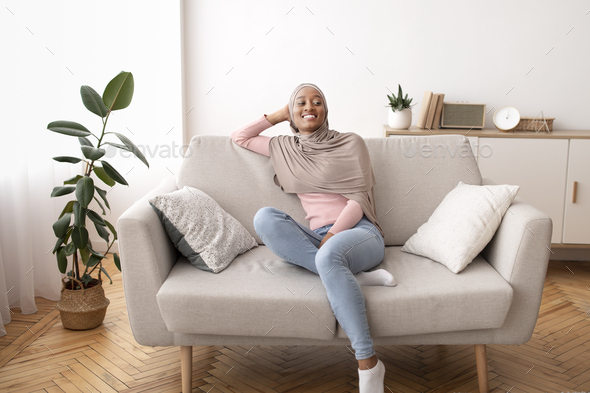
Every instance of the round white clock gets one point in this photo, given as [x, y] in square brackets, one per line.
[506, 118]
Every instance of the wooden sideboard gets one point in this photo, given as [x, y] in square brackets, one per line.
[552, 170]
[491, 133]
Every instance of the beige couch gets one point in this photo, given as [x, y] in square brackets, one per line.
[495, 300]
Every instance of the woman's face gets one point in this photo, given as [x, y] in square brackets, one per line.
[308, 102]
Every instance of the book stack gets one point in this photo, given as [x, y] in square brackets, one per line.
[430, 111]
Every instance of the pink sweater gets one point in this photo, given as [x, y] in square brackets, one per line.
[321, 208]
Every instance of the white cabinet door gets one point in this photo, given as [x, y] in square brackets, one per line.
[538, 166]
[576, 227]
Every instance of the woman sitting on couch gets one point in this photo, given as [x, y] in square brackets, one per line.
[332, 175]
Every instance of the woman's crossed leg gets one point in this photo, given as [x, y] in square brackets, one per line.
[340, 258]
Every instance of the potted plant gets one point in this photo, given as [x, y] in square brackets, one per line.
[400, 116]
[82, 302]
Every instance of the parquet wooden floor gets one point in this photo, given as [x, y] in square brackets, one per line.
[44, 357]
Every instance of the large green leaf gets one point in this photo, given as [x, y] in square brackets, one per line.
[73, 180]
[85, 254]
[79, 214]
[92, 153]
[84, 141]
[119, 146]
[117, 261]
[93, 260]
[103, 195]
[102, 269]
[85, 191]
[62, 240]
[119, 91]
[68, 128]
[100, 204]
[70, 249]
[113, 174]
[62, 260]
[112, 228]
[86, 279]
[62, 190]
[80, 237]
[102, 232]
[71, 160]
[92, 101]
[94, 216]
[132, 148]
[98, 254]
[102, 175]
[58, 243]
[60, 227]
[68, 208]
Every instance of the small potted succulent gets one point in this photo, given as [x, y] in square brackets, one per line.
[82, 303]
[400, 116]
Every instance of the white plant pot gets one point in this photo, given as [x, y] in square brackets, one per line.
[400, 120]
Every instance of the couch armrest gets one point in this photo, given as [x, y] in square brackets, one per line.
[519, 251]
[147, 256]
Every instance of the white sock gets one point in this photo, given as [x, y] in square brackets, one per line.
[377, 277]
[371, 380]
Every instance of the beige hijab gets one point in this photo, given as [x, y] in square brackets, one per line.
[325, 161]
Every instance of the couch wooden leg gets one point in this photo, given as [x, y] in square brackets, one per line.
[481, 360]
[186, 368]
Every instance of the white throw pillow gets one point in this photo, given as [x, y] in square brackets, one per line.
[462, 225]
[200, 229]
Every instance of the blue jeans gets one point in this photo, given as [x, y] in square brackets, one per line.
[347, 253]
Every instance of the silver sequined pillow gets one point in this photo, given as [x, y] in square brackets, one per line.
[200, 229]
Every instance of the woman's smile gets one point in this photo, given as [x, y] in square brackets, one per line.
[308, 110]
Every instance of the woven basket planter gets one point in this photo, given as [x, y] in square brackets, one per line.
[82, 309]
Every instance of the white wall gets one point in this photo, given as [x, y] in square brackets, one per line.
[50, 49]
[356, 50]
[471, 51]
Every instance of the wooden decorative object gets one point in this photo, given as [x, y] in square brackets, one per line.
[536, 124]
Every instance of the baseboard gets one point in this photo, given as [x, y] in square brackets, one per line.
[569, 254]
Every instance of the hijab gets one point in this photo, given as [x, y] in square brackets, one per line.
[325, 161]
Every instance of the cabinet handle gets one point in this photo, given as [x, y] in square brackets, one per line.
[575, 192]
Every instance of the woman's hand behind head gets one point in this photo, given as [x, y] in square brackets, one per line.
[279, 116]
[285, 112]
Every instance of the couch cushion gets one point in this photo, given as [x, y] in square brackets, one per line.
[258, 294]
[412, 173]
[239, 180]
[430, 298]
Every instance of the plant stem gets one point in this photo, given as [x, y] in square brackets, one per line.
[105, 253]
[76, 268]
[104, 126]
[88, 170]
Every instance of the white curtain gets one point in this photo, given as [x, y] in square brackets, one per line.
[36, 90]
[49, 50]
[33, 93]
[28, 268]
